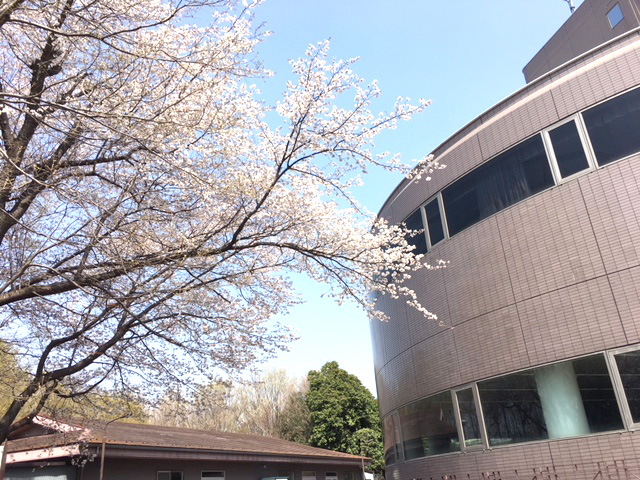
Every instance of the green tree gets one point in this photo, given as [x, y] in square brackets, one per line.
[344, 414]
[368, 442]
[295, 422]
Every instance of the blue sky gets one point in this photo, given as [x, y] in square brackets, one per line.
[465, 56]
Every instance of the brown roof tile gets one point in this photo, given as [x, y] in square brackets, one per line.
[130, 434]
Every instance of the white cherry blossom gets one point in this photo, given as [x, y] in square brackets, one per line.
[149, 213]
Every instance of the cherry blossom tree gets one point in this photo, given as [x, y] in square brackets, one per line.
[149, 212]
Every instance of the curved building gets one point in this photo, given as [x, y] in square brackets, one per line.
[536, 374]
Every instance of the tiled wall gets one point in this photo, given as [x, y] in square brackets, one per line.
[608, 457]
[550, 278]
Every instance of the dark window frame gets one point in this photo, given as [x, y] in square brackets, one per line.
[392, 440]
[411, 446]
[556, 177]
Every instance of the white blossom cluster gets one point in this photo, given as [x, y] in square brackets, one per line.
[149, 213]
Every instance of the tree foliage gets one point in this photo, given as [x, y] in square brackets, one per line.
[329, 409]
[98, 404]
[344, 414]
[294, 423]
[148, 212]
[254, 406]
[369, 443]
[12, 378]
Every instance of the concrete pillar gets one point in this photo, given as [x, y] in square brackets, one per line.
[561, 401]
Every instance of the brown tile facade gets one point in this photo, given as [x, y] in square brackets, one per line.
[553, 277]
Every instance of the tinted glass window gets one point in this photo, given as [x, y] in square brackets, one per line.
[434, 220]
[629, 368]
[614, 127]
[568, 149]
[418, 240]
[391, 440]
[168, 475]
[598, 397]
[615, 15]
[512, 410]
[556, 401]
[429, 427]
[510, 177]
[469, 418]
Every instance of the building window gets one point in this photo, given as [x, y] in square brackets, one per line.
[615, 15]
[168, 475]
[556, 401]
[628, 364]
[392, 439]
[308, 475]
[470, 429]
[511, 409]
[331, 475]
[613, 127]
[418, 240]
[567, 149]
[510, 177]
[598, 395]
[215, 474]
[564, 399]
[434, 221]
[429, 427]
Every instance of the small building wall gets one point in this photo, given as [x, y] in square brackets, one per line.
[127, 469]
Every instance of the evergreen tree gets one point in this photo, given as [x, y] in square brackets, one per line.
[344, 414]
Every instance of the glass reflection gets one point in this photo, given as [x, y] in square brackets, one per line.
[510, 177]
[429, 427]
[598, 396]
[418, 240]
[436, 232]
[613, 127]
[512, 409]
[469, 418]
[556, 401]
[568, 150]
[391, 440]
[629, 368]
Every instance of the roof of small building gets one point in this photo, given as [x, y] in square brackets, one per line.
[58, 433]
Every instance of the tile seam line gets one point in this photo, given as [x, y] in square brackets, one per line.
[444, 329]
